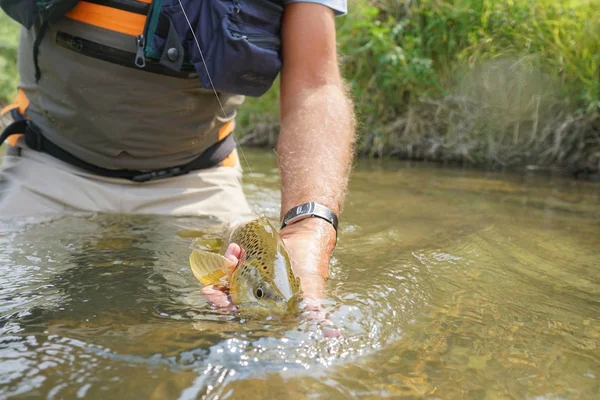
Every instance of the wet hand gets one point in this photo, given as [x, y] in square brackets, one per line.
[310, 243]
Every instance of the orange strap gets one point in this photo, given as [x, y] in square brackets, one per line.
[12, 139]
[8, 109]
[21, 103]
[227, 129]
[109, 18]
[231, 160]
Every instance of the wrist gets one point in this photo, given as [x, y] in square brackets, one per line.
[315, 226]
[317, 239]
[318, 229]
[309, 210]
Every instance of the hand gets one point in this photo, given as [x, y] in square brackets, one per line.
[310, 243]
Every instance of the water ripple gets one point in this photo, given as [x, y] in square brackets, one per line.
[460, 292]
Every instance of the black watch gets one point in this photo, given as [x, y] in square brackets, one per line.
[310, 210]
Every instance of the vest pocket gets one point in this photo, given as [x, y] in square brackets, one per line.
[238, 41]
[241, 59]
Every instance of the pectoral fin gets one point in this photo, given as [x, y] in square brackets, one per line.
[209, 267]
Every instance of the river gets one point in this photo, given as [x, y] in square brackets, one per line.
[446, 284]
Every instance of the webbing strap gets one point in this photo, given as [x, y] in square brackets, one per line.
[109, 18]
[36, 141]
[15, 128]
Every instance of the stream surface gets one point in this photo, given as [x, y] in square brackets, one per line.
[446, 284]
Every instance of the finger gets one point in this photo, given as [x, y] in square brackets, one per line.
[216, 297]
[329, 330]
[311, 304]
[314, 312]
[233, 252]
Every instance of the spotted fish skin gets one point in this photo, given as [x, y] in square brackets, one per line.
[264, 279]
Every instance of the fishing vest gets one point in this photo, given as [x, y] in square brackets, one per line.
[229, 45]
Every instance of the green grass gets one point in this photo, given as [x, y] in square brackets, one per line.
[9, 31]
[478, 82]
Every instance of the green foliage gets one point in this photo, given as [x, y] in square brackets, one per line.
[563, 37]
[385, 62]
[475, 81]
[9, 31]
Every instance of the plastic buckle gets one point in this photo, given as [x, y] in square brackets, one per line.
[159, 174]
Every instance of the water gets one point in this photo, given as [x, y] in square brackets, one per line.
[445, 284]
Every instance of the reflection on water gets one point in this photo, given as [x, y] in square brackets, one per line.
[445, 284]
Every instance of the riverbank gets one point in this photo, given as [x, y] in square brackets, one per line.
[462, 82]
[501, 86]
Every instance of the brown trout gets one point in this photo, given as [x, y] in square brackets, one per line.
[263, 280]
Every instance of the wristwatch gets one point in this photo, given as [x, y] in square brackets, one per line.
[310, 210]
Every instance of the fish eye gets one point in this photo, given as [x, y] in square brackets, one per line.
[259, 293]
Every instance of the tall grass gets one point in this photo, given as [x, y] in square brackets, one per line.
[9, 31]
[472, 81]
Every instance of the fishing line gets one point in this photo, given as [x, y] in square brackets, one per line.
[215, 90]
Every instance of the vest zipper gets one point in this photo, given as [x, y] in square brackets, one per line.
[140, 40]
[265, 42]
[118, 56]
[272, 7]
[140, 57]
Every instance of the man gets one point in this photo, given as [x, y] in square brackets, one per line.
[111, 117]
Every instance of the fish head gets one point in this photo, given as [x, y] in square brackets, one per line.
[253, 294]
[263, 282]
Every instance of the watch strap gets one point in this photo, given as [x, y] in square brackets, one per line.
[310, 210]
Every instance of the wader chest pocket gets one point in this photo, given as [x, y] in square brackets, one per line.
[232, 44]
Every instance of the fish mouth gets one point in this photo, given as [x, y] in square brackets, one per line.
[293, 304]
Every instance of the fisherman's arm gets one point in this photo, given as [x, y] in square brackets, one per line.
[315, 147]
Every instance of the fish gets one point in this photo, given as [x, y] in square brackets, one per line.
[263, 281]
